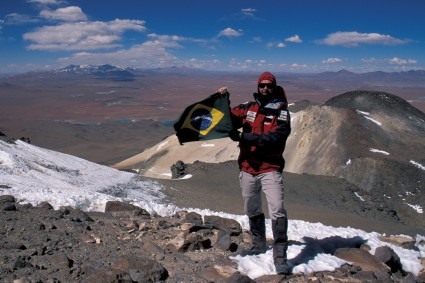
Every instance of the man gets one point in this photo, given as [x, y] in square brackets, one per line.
[265, 124]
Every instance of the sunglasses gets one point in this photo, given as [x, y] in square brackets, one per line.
[269, 86]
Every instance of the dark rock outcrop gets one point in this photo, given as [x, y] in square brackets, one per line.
[5, 138]
[47, 245]
[178, 170]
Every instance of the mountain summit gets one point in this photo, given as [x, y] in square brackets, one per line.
[374, 140]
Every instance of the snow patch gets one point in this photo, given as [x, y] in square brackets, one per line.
[366, 115]
[416, 207]
[207, 145]
[379, 151]
[420, 166]
[363, 113]
[161, 145]
[359, 196]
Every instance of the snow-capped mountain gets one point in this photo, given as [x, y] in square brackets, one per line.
[103, 71]
[35, 174]
[90, 69]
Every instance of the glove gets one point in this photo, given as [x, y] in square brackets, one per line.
[235, 135]
[222, 90]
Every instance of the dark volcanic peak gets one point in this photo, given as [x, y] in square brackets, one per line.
[344, 72]
[375, 101]
[341, 74]
[372, 139]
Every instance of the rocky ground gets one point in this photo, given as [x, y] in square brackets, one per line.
[127, 244]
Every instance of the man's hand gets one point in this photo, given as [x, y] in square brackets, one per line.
[235, 135]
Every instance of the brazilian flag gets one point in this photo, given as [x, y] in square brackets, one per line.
[205, 120]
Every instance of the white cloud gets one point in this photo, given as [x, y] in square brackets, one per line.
[369, 60]
[295, 39]
[166, 37]
[174, 38]
[296, 66]
[399, 61]
[69, 14]
[150, 54]
[248, 11]
[81, 35]
[18, 19]
[332, 60]
[202, 64]
[281, 45]
[353, 38]
[45, 2]
[247, 64]
[229, 32]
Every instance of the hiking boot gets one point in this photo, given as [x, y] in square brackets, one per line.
[280, 245]
[257, 227]
[252, 251]
[283, 268]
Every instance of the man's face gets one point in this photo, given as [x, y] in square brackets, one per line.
[266, 87]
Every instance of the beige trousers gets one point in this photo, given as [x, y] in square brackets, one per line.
[271, 184]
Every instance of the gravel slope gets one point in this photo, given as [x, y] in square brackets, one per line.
[329, 200]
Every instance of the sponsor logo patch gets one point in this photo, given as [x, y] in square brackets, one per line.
[250, 116]
[283, 116]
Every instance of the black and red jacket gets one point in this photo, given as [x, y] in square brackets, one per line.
[266, 125]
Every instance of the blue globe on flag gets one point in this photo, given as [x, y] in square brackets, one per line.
[201, 119]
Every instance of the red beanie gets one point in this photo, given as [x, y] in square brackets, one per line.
[267, 76]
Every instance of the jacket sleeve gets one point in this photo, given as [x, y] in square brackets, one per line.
[237, 114]
[271, 138]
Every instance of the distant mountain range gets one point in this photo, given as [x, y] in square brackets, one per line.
[415, 77]
[90, 69]
[102, 71]
[399, 78]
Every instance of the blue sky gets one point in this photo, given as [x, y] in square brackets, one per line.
[246, 35]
